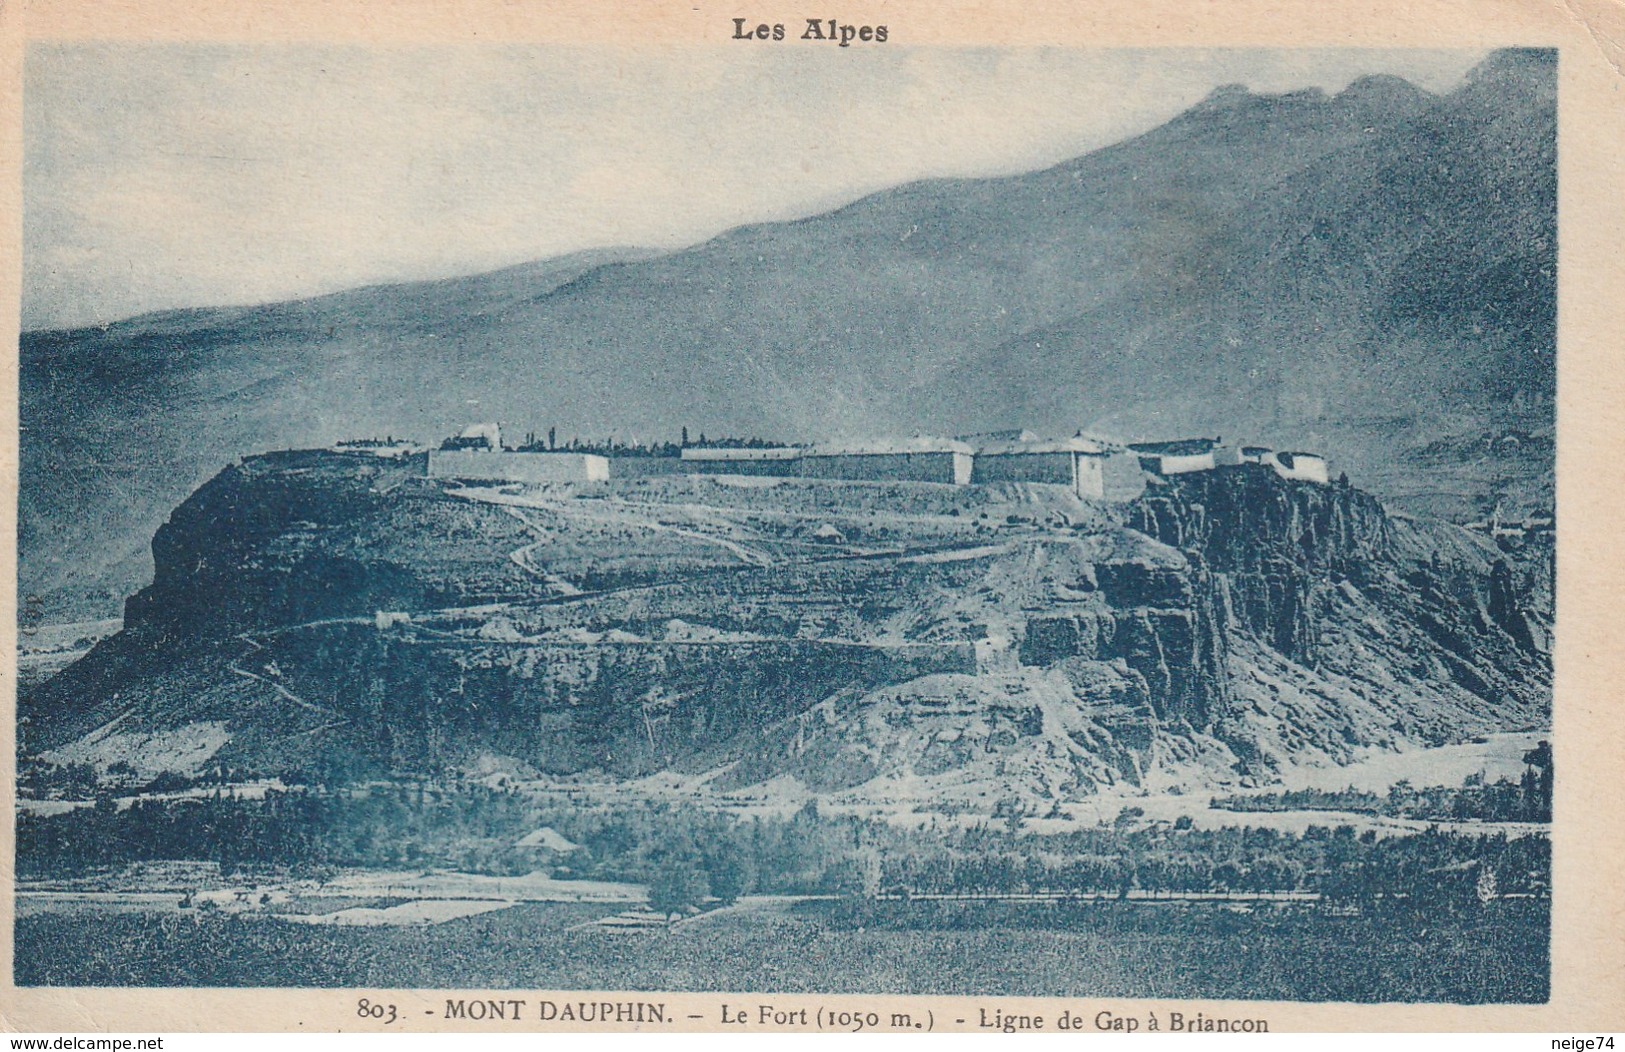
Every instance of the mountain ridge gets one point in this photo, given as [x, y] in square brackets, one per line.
[1136, 265]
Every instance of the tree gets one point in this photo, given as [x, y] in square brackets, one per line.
[679, 884]
[843, 877]
[730, 873]
[1227, 876]
[1537, 783]
[1129, 817]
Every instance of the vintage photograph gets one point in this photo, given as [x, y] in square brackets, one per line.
[809, 513]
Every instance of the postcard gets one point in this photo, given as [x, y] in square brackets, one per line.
[894, 517]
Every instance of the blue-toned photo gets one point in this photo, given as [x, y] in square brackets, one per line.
[875, 520]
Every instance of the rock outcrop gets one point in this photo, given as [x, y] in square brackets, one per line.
[345, 618]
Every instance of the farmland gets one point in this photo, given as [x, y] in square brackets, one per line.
[1106, 950]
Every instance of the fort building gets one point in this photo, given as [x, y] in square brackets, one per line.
[504, 466]
[1308, 467]
[1204, 454]
[1078, 463]
[1093, 469]
[918, 459]
[1177, 458]
[484, 438]
[731, 460]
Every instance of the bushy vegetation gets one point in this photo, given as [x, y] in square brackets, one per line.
[79, 781]
[1529, 799]
[994, 907]
[689, 856]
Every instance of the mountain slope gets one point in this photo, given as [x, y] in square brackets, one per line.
[1394, 292]
[1371, 274]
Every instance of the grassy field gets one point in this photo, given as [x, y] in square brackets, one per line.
[1498, 955]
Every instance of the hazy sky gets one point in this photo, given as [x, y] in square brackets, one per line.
[161, 176]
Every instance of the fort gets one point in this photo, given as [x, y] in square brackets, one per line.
[1078, 463]
[477, 453]
[1205, 454]
[510, 466]
[1091, 468]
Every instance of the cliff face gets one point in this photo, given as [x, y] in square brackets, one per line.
[1304, 617]
[267, 543]
[1163, 624]
[1287, 553]
[343, 617]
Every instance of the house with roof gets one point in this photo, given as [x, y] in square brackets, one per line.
[549, 840]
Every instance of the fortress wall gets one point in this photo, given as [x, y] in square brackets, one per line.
[1053, 468]
[1122, 478]
[1082, 472]
[517, 467]
[952, 468]
[784, 467]
[644, 467]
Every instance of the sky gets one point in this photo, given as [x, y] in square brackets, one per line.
[163, 176]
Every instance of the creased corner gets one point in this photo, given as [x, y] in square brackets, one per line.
[1604, 23]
